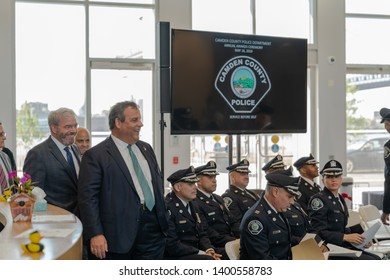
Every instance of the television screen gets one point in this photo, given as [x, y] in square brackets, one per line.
[237, 84]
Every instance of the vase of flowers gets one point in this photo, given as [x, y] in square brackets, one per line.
[21, 199]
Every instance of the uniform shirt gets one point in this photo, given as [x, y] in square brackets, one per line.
[298, 221]
[238, 201]
[386, 196]
[329, 217]
[186, 234]
[265, 234]
[217, 218]
[307, 190]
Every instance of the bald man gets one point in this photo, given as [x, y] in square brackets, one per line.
[83, 140]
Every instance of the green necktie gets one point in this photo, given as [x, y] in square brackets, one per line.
[149, 200]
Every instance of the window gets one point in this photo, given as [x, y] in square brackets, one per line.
[85, 57]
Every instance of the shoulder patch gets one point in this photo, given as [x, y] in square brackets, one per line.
[255, 227]
[316, 204]
[386, 152]
[227, 201]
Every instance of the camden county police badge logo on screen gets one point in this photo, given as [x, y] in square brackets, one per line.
[243, 83]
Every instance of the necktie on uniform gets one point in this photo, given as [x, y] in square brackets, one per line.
[3, 180]
[342, 205]
[188, 208]
[69, 159]
[149, 200]
[251, 195]
[317, 186]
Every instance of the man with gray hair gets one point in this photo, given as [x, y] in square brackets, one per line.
[54, 163]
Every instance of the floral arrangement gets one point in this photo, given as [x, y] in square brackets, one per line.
[20, 185]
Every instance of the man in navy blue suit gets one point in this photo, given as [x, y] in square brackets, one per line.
[49, 165]
[123, 212]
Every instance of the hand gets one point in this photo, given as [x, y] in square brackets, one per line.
[99, 246]
[213, 254]
[385, 218]
[354, 238]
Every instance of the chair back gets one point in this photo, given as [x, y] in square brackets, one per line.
[370, 215]
[232, 249]
[354, 218]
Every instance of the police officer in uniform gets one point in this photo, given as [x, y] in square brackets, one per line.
[308, 170]
[265, 232]
[328, 213]
[212, 207]
[295, 214]
[237, 198]
[187, 237]
[385, 114]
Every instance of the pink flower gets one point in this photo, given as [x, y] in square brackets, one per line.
[12, 174]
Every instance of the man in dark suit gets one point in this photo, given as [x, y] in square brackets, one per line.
[53, 167]
[187, 235]
[121, 195]
[8, 152]
[7, 162]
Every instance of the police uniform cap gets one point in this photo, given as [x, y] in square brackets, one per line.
[310, 160]
[183, 175]
[242, 167]
[332, 168]
[281, 180]
[385, 114]
[276, 162]
[209, 169]
[287, 171]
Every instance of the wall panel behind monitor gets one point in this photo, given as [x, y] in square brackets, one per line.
[234, 84]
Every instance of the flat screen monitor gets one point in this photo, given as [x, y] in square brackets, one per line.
[237, 84]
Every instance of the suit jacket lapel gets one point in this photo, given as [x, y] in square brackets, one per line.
[116, 155]
[58, 156]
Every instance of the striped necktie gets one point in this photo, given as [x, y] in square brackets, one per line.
[149, 200]
[3, 180]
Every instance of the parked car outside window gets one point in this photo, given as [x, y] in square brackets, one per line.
[366, 156]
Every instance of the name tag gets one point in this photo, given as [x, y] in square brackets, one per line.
[276, 231]
[211, 213]
[294, 216]
[336, 211]
[182, 221]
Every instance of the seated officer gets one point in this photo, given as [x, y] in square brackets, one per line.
[328, 213]
[265, 233]
[237, 198]
[297, 217]
[274, 164]
[308, 170]
[187, 238]
[211, 206]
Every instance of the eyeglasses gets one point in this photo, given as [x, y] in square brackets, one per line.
[3, 134]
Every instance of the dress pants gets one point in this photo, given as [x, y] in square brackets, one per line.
[149, 243]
